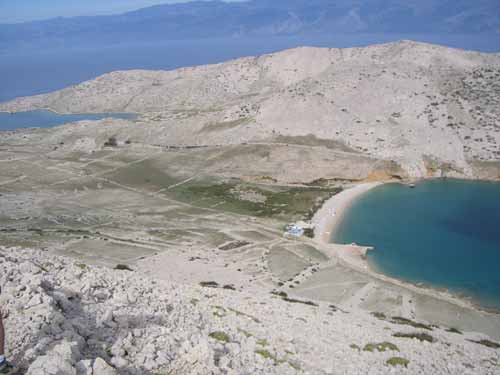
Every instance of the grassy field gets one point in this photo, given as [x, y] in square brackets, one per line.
[291, 203]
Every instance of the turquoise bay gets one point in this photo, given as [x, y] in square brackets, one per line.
[46, 119]
[443, 233]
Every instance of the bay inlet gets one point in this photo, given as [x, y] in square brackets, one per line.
[47, 119]
[443, 234]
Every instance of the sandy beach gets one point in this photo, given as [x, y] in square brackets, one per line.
[353, 256]
[330, 215]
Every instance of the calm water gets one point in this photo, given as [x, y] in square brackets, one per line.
[47, 119]
[443, 233]
[30, 71]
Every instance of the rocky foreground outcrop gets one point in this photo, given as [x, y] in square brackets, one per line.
[63, 317]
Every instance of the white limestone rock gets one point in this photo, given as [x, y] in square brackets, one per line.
[160, 329]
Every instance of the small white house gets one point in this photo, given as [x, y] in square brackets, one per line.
[294, 230]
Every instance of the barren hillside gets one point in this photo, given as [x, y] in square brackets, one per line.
[432, 109]
[72, 319]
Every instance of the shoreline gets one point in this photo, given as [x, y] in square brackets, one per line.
[325, 224]
[115, 115]
[354, 256]
[329, 216]
[72, 113]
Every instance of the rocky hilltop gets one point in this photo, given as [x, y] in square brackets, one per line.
[68, 318]
[432, 110]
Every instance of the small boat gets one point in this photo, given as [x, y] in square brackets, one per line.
[411, 186]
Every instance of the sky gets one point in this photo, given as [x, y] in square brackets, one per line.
[13, 11]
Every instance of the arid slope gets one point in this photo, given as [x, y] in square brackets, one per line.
[432, 109]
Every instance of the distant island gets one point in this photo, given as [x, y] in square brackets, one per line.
[215, 19]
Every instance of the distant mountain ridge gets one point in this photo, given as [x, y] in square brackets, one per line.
[263, 18]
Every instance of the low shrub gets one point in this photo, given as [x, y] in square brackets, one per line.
[123, 267]
[409, 322]
[220, 336]
[397, 361]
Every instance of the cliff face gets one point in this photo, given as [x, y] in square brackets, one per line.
[431, 109]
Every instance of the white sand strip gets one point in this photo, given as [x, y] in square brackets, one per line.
[330, 215]
[354, 256]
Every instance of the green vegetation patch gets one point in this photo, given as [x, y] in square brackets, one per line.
[381, 347]
[409, 322]
[209, 284]
[397, 361]
[265, 354]
[263, 342]
[75, 232]
[122, 267]
[143, 175]
[488, 343]
[421, 336]
[292, 300]
[279, 293]
[220, 336]
[285, 298]
[283, 202]
[309, 232]
[379, 315]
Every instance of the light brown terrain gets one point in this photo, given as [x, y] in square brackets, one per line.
[432, 110]
[200, 186]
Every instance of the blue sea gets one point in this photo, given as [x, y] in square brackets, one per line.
[443, 233]
[29, 71]
[47, 119]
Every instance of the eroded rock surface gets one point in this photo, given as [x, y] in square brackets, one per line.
[67, 318]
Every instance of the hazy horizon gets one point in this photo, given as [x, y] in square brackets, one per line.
[38, 57]
[29, 10]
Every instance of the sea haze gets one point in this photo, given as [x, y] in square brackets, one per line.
[30, 71]
[443, 233]
[262, 18]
